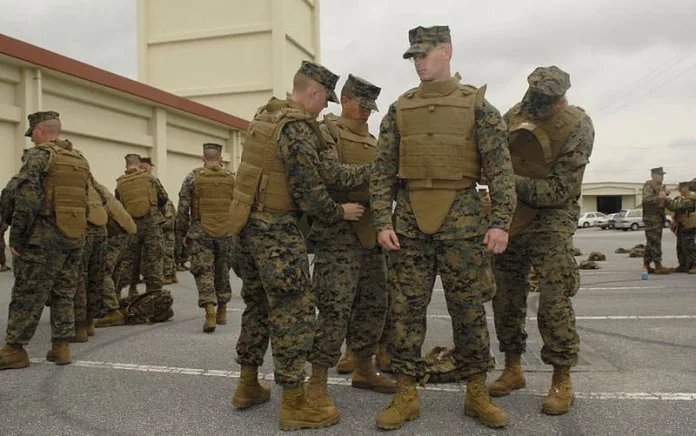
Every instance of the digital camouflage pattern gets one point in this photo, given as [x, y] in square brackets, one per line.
[3, 245]
[48, 264]
[274, 268]
[363, 91]
[686, 238]
[424, 39]
[90, 287]
[349, 281]
[321, 75]
[653, 219]
[115, 250]
[456, 251]
[558, 279]
[546, 86]
[209, 256]
[168, 238]
[148, 308]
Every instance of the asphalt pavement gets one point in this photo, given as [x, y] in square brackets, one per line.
[635, 376]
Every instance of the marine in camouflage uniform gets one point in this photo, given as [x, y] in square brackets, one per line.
[203, 217]
[169, 238]
[433, 143]
[3, 248]
[181, 255]
[684, 208]
[278, 178]
[550, 144]
[90, 287]
[47, 232]
[144, 198]
[654, 220]
[350, 271]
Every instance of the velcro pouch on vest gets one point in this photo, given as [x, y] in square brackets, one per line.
[365, 230]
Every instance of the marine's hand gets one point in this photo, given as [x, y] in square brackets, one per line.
[352, 211]
[388, 240]
[496, 240]
[185, 241]
[14, 251]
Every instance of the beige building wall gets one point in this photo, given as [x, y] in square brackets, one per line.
[106, 116]
[232, 55]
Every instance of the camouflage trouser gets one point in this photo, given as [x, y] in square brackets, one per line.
[43, 274]
[145, 249]
[349, 284]
[181, 253]
[686, 246]
[468, 283]
[209, 267]
[3, 249]
[389, 318]
[90, 282]
[276, 289]
[557, 273]
[653, 244]
[115, 250]
[169, 239]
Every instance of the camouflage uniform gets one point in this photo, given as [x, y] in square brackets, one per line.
[3, 247]
[146, 247]
[48, 262]
[654, 219]
[115, 250]
[272, 255]
[209, 254]
[89, 292]
[349, 279]
[545, 243]
[683, 207]
[169, 238]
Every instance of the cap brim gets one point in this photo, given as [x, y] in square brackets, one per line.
[416, 49]
[332, 96]
[369, 104]
[29, 132]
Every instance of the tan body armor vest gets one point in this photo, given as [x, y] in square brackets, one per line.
[534, 149]
[438, 152]
[355, 146]
[687, 220]
[97, 212]
[261, 180]
[212, 199]
[137, 193]
[64, 188]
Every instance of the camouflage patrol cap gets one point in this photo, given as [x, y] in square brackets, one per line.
[365, 92]
[212, 145]
[424, 39]
[321, 75]
[658, 170]
[551, 81]
[132, 158]
[147, 160]
[684, 184]
[38, 117]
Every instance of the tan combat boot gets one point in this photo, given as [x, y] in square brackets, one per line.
[80, 332]
[296, 412]
[512, 377]
[174, 278]
[382, 359]
[405, 405]
[478, 404]
[113, 318]
[167, 280]
[317, 387]
[692, 270]
[249, 391]
[347, 363]
[59, 353]
[13, 357]
[366, 377]
[133, 291]
[221, 317]
[561, 395]
[90, 326]
[661, 270]
[209, 325]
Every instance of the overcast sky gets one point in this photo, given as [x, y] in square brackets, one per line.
[632, 63]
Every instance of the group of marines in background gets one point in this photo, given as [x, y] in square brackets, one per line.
[389, 215]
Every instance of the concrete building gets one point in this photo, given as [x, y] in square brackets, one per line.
[610, 197]
[232, 55]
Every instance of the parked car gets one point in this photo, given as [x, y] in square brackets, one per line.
[593, 219]
[612, 219]
[630, 219]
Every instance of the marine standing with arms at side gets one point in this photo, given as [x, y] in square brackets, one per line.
[278, 177]
[46, 238]
[550, 145]
[433, 143]
[350, 271]
[204, 202]
[654, 220]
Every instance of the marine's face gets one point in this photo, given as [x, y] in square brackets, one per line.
[354, 110]
[430, 65]
[658, 177]
[318, 99]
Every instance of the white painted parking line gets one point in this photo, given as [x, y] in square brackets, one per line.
[339, 381]
[603, 317]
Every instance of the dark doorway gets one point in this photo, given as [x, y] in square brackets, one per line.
[609, 203]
